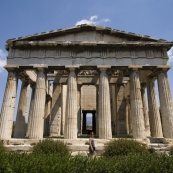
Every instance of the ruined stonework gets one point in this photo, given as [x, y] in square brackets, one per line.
[86, 71]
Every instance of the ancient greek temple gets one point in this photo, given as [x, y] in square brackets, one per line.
[84, 69]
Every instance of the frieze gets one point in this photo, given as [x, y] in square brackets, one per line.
[61, 73]
[88, 73]
[113, 72]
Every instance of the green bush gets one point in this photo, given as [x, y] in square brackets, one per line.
[2, 148]
[171, 151]
[49, 146]
[122, 147]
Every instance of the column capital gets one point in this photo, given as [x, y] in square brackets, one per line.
[72, 67]
[11, 67]
[163, 67]
[103, 67]
[40, 67]
[134, 67]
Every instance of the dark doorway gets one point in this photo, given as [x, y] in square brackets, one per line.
[89, 122]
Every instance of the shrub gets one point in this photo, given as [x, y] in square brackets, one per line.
[2, 148]
[49, 146]
[171, 151]
[123, 147]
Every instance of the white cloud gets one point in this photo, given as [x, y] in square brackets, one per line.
[92, 20]
[170, 54]
[2, 60]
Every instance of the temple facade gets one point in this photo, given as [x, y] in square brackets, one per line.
[71, 72]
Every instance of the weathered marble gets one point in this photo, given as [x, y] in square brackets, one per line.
[154, 114]
[55, 118]
[70, 131]
[8, 105]
[136, 106]
[145, 109]
[166, 104]
[46, 131]
[20, 126]
[36, 131]
[105, 131]
[30, 112]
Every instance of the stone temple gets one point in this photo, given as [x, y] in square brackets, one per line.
[87, 69]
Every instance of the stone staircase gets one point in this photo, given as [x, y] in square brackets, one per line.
[80, 146]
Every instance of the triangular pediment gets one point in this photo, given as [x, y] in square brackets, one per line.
[86, 33]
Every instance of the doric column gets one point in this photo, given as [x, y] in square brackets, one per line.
[166, 104]
[47, 117]
[63, 109]
[105, 131]
[145, 109]
[71, 106]
[127, 115]
[55, 119]
[121, 111]
[20, 126]
[30, 119]
[8, 105]
[79, 109]
[36, 131]
[155, 122]
[136, 106]
[113, 108]
[97, 110]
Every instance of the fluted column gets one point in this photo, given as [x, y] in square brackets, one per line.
[8, 105]
[127, 115]
[55, 119]
[145, 109]
[113, 108]
[30, 112]
[47, 117]
[20, 126]
[97, 110]
[136, 106]
[166, 104]
[155, 121]
[105, 131]
[36, 131]
[79, 109]
[71, 107]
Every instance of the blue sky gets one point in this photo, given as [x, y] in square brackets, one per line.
[25, 17]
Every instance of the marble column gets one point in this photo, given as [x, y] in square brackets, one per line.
[79, 109]
[113, 108]
[8, 105]
[36, 131]
[105, 131]
[121, 111]
[166, 104]
[138, 127]
[63, 109]
[71, 106]
[145, 109]
[47, 117]
[20, 126]
[154, 115]
[97, 110]
[127, 115]
[55, 119]
[30, 111]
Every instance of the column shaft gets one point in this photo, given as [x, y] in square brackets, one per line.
[155, 122]
[136, 106]
[97, 110]
[127, 115]
[71, 107]
[36, 131]
[145, 109]
[55, 120]
[166, 104]
[8, 106]
[20, 126]
[30, 119]
[105, 131]
[47, 118]
[79, 109]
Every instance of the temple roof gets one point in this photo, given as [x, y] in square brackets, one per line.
[45, 36]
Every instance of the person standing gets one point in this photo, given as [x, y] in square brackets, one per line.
[92, 145]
